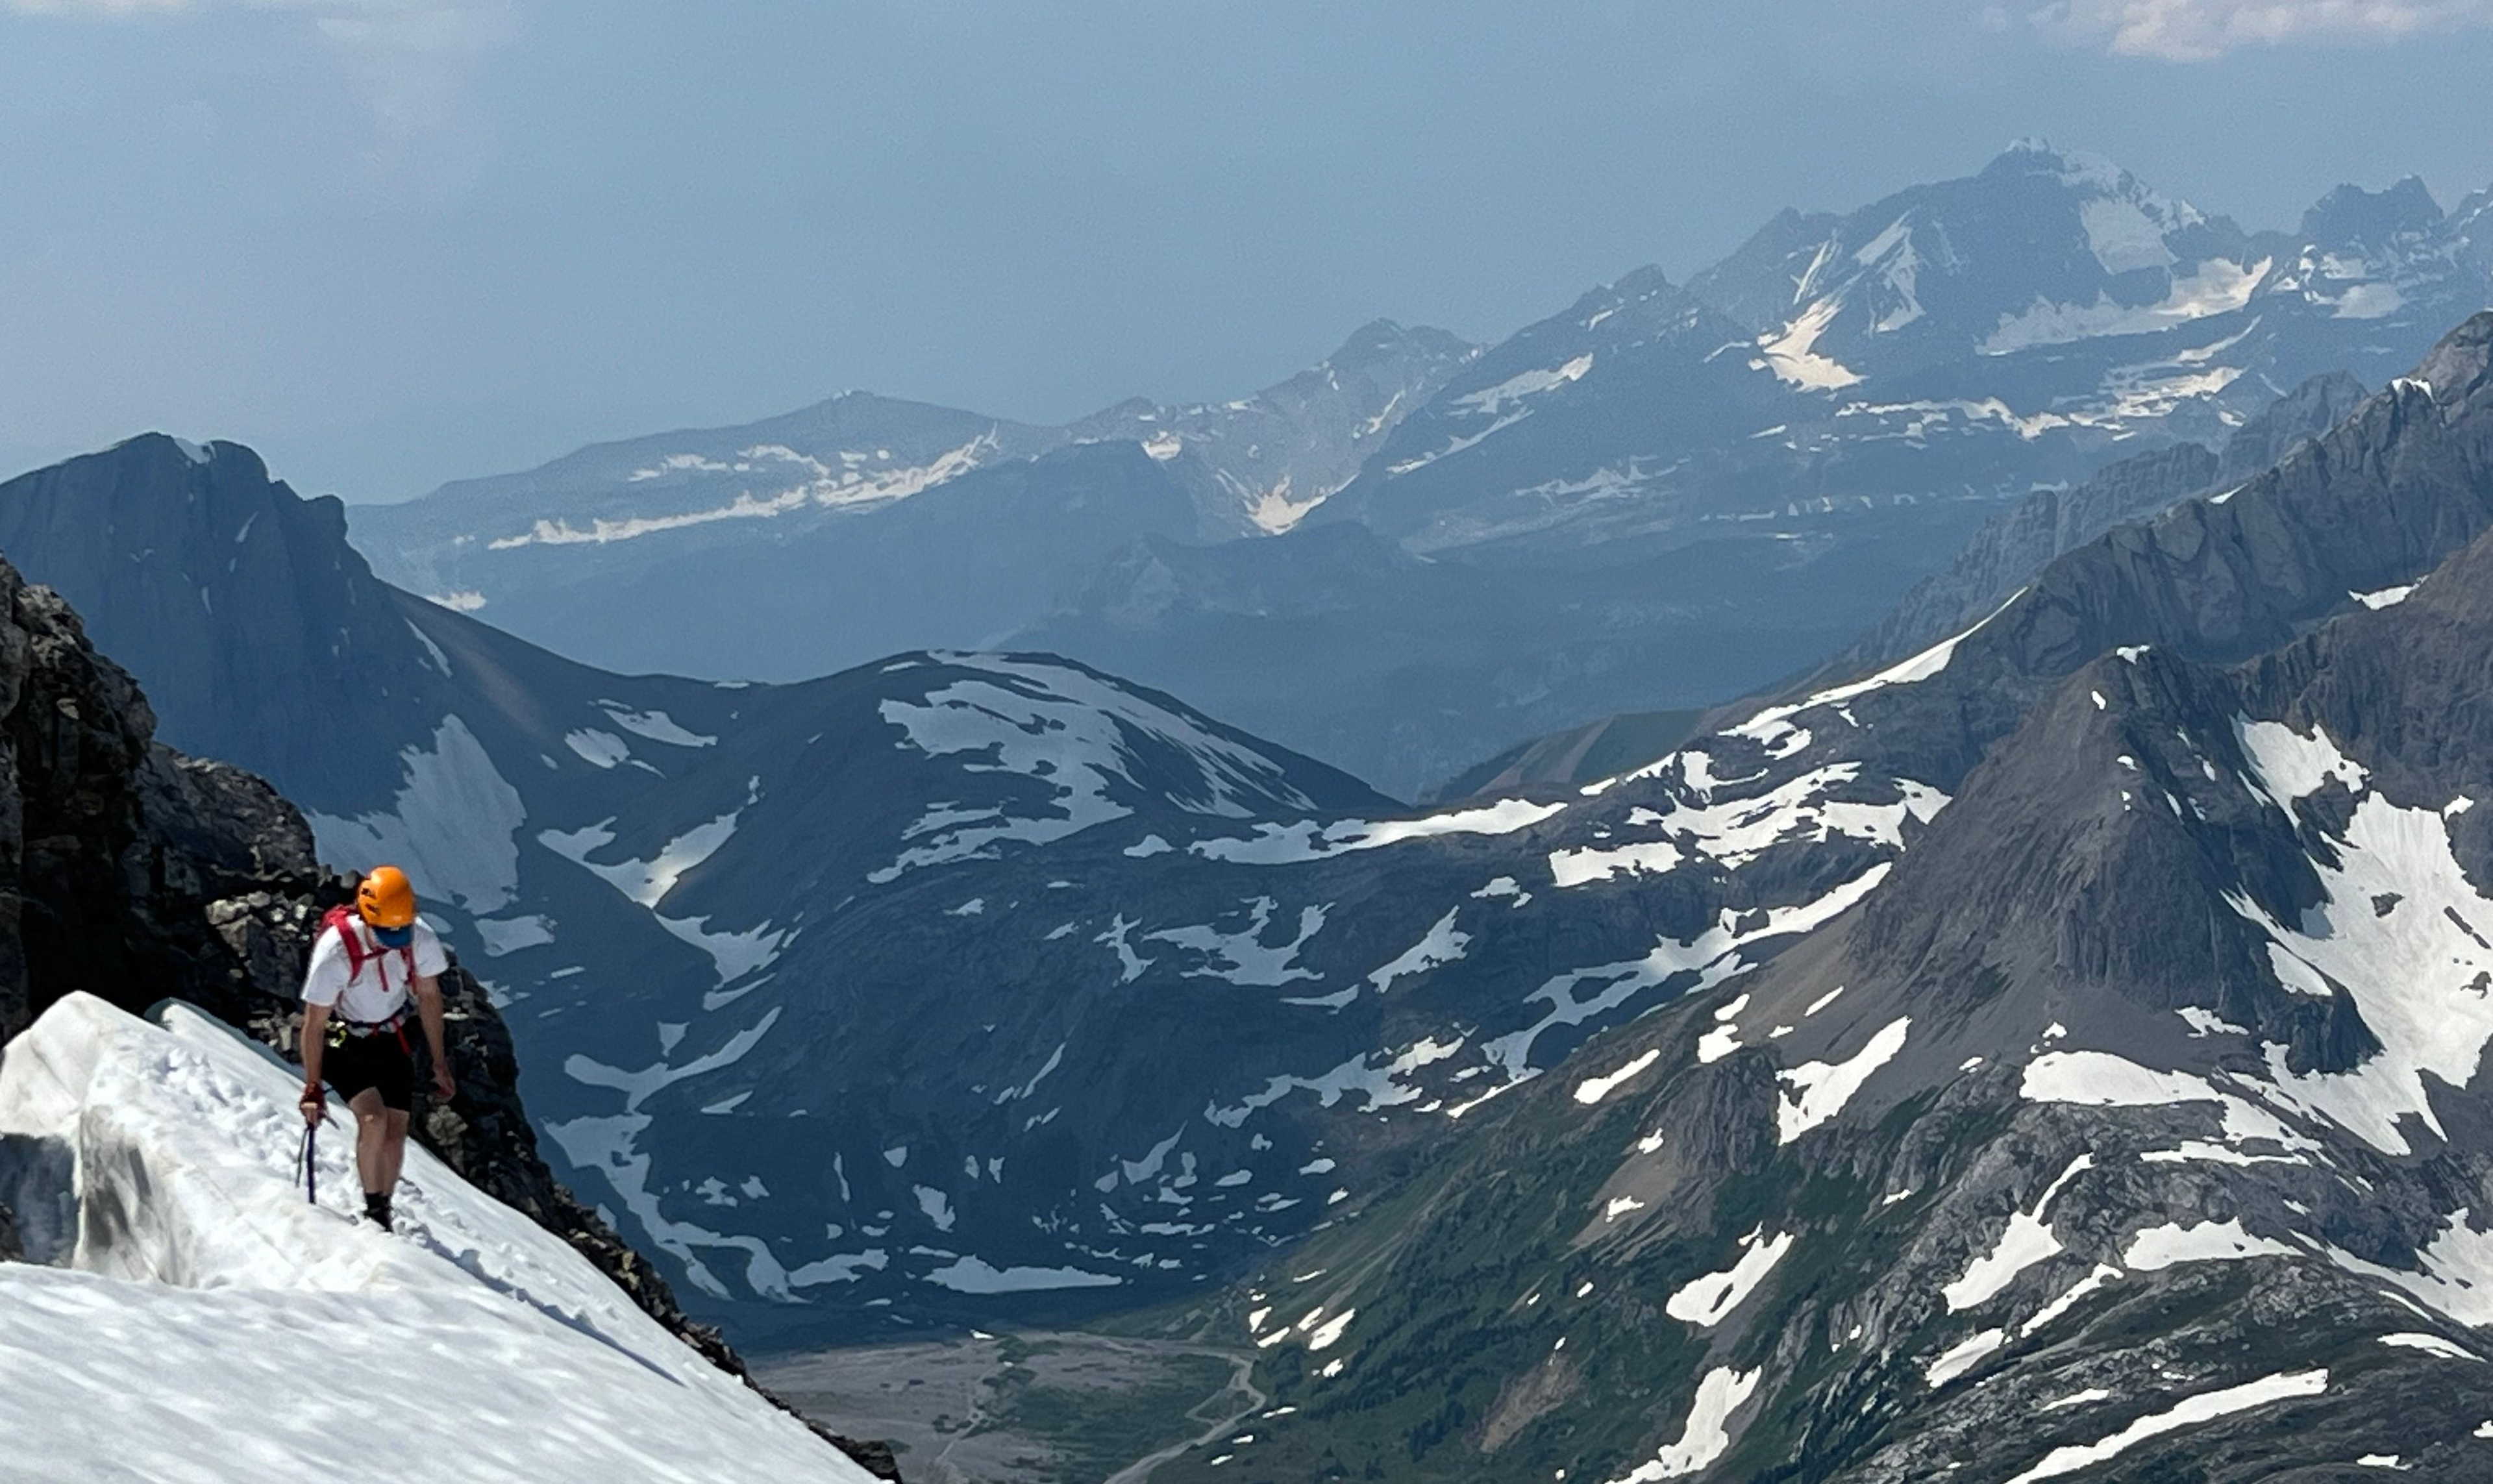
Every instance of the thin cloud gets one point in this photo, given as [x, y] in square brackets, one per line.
[2200, 30]
[409, 56]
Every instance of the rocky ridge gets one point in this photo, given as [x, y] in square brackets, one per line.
[138, 874]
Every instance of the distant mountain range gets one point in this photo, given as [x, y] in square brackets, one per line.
[804, 543]
[1091, 999]
[1421, 553]
[2056, 1047]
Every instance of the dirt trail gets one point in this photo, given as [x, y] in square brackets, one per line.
[1242, 1380]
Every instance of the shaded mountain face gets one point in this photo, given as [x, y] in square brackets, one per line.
[2011, 548]
[808, 542]
[2132, 1126]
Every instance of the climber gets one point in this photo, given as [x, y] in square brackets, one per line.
[366, 963]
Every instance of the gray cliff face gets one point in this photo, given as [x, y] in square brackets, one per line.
[2012, 547]
[2134, 1126]
[2307, 411]
[2000, 557]
[136, 873]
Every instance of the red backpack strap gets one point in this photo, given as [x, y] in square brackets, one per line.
[341, 920]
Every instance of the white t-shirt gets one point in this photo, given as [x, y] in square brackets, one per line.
[379, 991]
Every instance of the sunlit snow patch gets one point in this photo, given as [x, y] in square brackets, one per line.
[512, 935]
[1281, 844]
[2173, 1244]
[1243, 957]
[2025, 1242]
[1712, 956]
[1592, 1089]
[197, 1264]
[1790, 353]
[1964, 1356]
[1705, 1438]
[1818, 1090]
[453, 828]
[2205, 1406]
[654, 724]
[1708, 1300]
[1076, 734]
[2416, 972]
[1443, 945]
[1774, 724]
[1491, 401]
[2430, 1345]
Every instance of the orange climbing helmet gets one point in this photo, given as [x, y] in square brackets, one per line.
[386, 898]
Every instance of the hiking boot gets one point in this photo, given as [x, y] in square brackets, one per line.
[376, 1210]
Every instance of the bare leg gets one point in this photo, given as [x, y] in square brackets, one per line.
[393, 1147]
[375, 1160]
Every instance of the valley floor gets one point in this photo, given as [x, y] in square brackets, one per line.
[1042, 1406]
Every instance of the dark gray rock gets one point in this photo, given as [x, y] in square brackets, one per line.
[2307, 411]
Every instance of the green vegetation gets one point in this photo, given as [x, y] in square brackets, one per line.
[1094, 1430]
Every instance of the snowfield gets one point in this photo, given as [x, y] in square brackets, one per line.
[185, 1314]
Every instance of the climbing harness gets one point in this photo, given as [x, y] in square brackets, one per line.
[341, 1029]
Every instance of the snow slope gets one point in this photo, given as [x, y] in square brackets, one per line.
[190, 1317]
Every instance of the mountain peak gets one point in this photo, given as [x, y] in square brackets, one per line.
[2460, 369]
[1383, 339]
[2076, 167]
[2351, 216]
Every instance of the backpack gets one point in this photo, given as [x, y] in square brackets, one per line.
[344, 920]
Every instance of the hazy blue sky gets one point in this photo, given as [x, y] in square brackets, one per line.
[391, 242]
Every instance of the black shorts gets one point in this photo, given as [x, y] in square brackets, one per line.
[383, 1061]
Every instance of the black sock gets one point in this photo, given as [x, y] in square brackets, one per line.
[376, 1209]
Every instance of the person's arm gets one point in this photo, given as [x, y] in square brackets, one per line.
[428, 1005]
[316, 1040]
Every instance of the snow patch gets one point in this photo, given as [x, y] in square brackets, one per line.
[1964, 1356]
[1592, 1089]
[454, 826]
[2025, 1242]
[1820, 1089]
[198, 1264]
[1712, 956]
[1790, 353]
[2208, 1242]
[1280, 844]
[1491, 401]
[1077, 734]
[2205, 1406]
[1706, 1438]
[1442, 945]
[1709, 1300]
